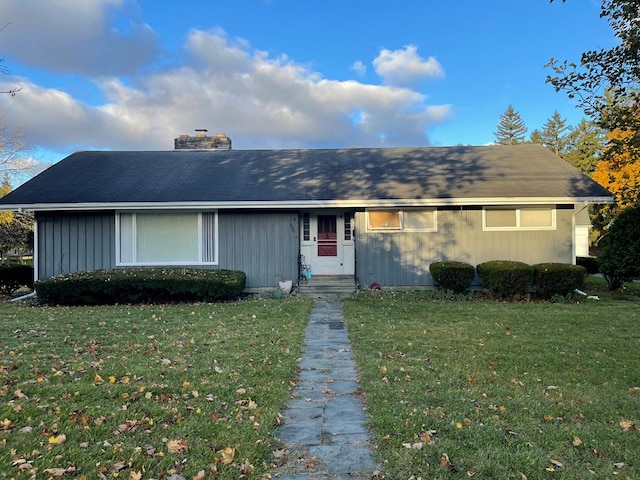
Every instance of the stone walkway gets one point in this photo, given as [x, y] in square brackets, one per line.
[324, 426]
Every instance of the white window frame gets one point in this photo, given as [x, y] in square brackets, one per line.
[518, 226]
[402, 227]
[136, 263]
[433, 228]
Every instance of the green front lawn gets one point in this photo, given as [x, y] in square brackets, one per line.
[487, 390]
[139, 392]
[501, 390]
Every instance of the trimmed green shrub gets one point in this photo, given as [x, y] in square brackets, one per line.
[454, 276]
[505, 278]
[13, 276]
[590, 263]
[141, 285]
[558, 278]
[619, 258]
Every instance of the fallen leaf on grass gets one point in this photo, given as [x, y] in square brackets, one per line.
[280, 453]
[627, 425]
[426, 437]
[413, 446]
[576, 441]
[56, 472]
[245, 467]
[446, 463]
[22, 464]
[116, 467]
[226, 455]
[634, 389]
[556, 463]
[53, 440]
[311, 462]
[19, 395]
[177, 446]
[620, 465]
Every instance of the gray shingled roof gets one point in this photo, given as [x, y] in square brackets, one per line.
[354, 175]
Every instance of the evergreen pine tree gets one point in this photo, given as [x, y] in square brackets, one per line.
[584, 146]
[536, 137]
[554, 134]
[511, 129]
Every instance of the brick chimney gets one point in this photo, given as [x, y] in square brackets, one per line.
[201, 141]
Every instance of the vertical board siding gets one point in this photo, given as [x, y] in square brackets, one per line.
[75, 242]
[403, 258]
[264, 245]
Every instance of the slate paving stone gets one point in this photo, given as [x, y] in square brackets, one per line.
[314, 375]
[341, 387]
[325, 423]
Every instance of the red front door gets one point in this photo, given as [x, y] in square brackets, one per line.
[327, 236]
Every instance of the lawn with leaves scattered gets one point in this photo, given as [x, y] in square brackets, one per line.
[493, 390]
[139, 392]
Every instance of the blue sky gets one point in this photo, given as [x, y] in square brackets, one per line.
[134, 74]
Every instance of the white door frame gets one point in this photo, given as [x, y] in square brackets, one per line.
[341, 264]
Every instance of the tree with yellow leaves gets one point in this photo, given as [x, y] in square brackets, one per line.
[619, 170]
[16, 230]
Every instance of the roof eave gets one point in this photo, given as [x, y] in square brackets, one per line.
[302, 204]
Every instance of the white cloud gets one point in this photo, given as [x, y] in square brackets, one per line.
[405, 66]
[359, 67]
[224, 85]
[90, 37]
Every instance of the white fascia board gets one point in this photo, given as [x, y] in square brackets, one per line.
[295, 204]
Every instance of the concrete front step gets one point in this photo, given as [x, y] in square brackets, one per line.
[328, 285]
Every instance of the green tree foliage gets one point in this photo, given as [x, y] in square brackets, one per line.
[606, 81]
[584, 146]
[619, 259]
[511, 128]
[555, 134]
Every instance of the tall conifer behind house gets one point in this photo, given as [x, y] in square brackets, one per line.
[511, 128]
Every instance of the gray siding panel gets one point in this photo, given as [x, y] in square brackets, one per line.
[264, 245]
[75, 242]
[403, 258]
